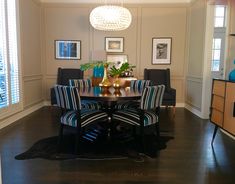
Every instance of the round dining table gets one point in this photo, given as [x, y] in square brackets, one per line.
[111, 96]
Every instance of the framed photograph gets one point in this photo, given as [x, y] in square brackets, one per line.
[114, 44]
[161, 51]
[117, 59]
[68, 49]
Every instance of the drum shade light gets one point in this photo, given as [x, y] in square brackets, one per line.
[110, 18]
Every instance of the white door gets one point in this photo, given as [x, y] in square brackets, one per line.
[218, 47]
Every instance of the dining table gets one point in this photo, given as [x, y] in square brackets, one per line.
[109, 97]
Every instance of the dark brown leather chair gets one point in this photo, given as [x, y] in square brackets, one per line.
[162, 76]
[63, 76]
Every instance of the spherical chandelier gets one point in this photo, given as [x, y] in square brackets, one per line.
[110, 18]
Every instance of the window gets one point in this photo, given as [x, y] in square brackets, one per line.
[220, 16]
[216, 50]
[9, 65]
[219, 36]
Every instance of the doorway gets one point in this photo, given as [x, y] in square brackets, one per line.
[219, 42]
[215, 51]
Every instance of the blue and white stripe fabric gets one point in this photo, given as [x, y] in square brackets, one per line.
[68, 99]
[136, 85]
[70, 118]
[139, 85]
[150, 100]
[132, 117]
[152, 97]
[82, 85]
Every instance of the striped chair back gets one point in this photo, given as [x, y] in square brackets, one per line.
[80, 83]
[152, 97]
[139, 85]
[67, 97]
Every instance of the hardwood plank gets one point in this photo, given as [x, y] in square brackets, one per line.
[188, 158]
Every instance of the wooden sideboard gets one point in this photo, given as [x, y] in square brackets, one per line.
[223, 106]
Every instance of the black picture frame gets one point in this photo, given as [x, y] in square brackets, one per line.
[161, 50]
[67, 49]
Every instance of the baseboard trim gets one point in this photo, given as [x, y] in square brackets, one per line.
[180, 104]
[35, 107]
[47, 103]
[20, 115]
[228, 134]
[195, 111]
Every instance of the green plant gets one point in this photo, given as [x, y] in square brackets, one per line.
[88, 66]
[113, 71]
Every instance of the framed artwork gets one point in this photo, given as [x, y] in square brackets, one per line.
[68, 49]
[114, 44]
[161, 51]
[118, 60]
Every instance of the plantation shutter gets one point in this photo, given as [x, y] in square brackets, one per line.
[13, 55]
[9, 66]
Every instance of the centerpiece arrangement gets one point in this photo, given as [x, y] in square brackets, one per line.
[110, 70]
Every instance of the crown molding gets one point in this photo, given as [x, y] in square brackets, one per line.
[125, 1]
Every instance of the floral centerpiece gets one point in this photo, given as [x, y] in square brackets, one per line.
[110, 70]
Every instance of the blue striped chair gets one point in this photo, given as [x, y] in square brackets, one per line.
[147, 114]
[73, 114]
[83, 84]
[135, 85]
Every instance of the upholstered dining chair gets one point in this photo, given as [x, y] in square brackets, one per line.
[72, 113]
[162, 77]
[84, 84]
[63, 76]
[135, 85]
[147, 114]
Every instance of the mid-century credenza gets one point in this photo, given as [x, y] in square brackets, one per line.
[223, 106]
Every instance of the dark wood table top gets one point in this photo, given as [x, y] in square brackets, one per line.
[96, 93]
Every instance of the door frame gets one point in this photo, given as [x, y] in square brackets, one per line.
[207, 80]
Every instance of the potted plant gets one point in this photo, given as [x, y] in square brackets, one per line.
[118, 72]
[109, 70]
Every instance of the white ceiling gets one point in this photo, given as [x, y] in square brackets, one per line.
[125, 1]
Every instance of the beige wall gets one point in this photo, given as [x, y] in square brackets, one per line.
[71, 21]
[194, 77]
[30, 16]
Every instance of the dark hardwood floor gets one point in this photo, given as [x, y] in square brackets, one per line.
[188, 158]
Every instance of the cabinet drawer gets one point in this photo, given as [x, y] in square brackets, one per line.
[218, 103]
[217, 117]
[229, 119]
[219, 88]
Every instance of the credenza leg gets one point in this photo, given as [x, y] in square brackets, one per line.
[214, 134]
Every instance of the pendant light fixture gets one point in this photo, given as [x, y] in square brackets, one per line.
[110, 17]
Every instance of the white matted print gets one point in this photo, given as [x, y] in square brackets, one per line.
[68, 49]
[118, 60]
[114, 44]
[161, 51]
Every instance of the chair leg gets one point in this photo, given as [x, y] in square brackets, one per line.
[214, 134]
[78, 140]
[134, 131]
[157, 130]
[173, 110]
[60, 137]
[142, 138]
